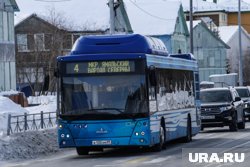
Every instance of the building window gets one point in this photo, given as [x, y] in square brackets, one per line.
[48, 41]
[11, 27]
[1, 26]
[211, 61]
[39, 42]
[22, 44]
[67, 44]
[75, 37]
[5, 27]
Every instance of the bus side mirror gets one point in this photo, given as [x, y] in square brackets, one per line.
[152, 76]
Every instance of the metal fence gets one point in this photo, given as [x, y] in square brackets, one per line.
[22, 123]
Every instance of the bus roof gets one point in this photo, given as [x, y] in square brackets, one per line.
[128, 46]
[129, 43]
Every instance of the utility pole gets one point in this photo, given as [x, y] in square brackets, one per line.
[240, 47]
[112, 16]
[191, 27]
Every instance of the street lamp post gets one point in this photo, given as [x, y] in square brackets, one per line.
[240, 45]
[112, 16]
[191, 27]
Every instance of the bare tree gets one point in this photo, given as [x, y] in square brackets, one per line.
[246, 69]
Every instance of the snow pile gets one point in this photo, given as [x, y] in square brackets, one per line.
[47, 104]
[7, 93]
[7, 106]
[28, 145]
[41, 99]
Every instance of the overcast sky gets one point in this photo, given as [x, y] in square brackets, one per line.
[94, 11]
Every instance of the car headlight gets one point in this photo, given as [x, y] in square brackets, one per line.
[225, 108]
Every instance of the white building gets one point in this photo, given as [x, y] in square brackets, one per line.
[7, 46]
[230, 35]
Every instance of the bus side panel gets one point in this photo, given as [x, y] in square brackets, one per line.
[175, 124]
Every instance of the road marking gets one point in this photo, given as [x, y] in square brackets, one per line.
[138, 160]
[157, 160]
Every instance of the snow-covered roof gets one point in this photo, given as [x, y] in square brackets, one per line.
[232, 5]
[221, 5]
[149, 17]
[226, 32]
[200, 6]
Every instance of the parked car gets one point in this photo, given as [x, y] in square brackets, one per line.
[244, 93]
[222, 107]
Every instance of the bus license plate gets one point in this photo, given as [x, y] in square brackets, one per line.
[101, 142]
[208, 117]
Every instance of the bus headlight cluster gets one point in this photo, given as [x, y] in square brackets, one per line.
[142, 133]
[63, 135]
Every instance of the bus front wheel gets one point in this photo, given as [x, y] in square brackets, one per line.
[161, 144]
[82, 151]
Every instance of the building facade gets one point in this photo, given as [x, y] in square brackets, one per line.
[7, 45]
[210, 51]
[164, 20]
[230, 35]
[38, 43]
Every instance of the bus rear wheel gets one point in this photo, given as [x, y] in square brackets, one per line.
[82, 151]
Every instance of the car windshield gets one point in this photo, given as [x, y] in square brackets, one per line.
[243, 92]
[215, 96]
[103, 95]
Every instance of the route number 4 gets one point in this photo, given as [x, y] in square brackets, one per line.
[76, 68]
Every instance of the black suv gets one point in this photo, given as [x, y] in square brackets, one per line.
[222, 107]
[245, 96]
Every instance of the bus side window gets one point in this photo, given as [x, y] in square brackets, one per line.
[152, 93]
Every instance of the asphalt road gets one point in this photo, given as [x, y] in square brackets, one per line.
[219, 140]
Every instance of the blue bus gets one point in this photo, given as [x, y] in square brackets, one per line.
[125, 91]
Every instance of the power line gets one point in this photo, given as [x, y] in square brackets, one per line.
[143, 10]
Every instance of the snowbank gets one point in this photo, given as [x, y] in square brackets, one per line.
[28, 145]
[7, 106]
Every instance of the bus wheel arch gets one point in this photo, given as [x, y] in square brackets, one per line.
[163, 125]
[188, 137]
[162, 137]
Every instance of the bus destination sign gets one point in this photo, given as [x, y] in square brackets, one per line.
[100, 67]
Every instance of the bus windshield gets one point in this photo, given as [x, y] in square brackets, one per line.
[99, 95]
